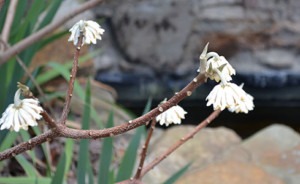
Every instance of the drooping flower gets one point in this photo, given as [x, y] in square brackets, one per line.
[91, 32]
[172, 115]
[21, 114]
[216, 62]
[230, 96]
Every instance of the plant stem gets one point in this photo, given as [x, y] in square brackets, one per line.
[180, 142]
[69, 94]
[144, 150]
[62, 131]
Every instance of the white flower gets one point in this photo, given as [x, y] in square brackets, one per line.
[21, 114]
[230, 96]
[172, 115]
[217, 62]
[91, 32]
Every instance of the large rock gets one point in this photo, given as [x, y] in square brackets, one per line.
[172, 33]
[230, 172]
[201, 150]
[277, 150]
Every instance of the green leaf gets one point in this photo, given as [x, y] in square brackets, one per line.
[8, 140]
[77, 88]
[46, 151]
[112, 179]
[25, 27]
[69, 153]
[3, 12]
[52, 96]
[64, 163]
[28, 167]
[84, 144]
[177, 175]
[90, 173]
[24, 180]
[53, 7]
[106, 154]
[51, 74]
[128, 161]
[148, 106]
[25, 136]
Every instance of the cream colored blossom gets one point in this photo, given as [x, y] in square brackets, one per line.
[172, 115]
[217, 62]
[91, 32]
[21, 114]
[230, 96]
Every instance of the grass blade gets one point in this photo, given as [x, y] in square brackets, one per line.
[128, 161]
[27, 166]
[51, 74]
[84, 144]
[177, 175]
[148, 106]
[46, 151]
[25, 136]
[53, 7]
[106, 154]
[64, 163]
[77, 88]
[24, 180]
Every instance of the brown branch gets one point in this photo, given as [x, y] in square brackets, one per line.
[144, 150]
[69, 94]
[22, 147]
[62, 131]
[20, 46]
[9, 20]
[190, 135]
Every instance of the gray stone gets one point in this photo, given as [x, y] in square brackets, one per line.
[202, 150]
[166, 37]
[276, 149]
[277, 58]
[230, 172]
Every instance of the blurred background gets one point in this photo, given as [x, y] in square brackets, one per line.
[150, 50]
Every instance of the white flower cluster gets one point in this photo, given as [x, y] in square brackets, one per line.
[226, 94]
[172, 115]
[91, 32]
[21, 114]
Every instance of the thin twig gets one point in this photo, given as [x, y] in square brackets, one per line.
[190, 135]
[9, 20]
[144, 150]
[62, 131]
[22, 147]
[24, 67]
[69, 94]
[20, 46]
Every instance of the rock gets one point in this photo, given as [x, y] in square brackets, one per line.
[69, 5]
[230, 172]
[277, 150]
[276, 58]
[201, 150]
[165, 38]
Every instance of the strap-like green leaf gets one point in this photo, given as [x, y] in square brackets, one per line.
[64, 163]
[84, 143]
[24, 180]
[106, 154]
[27, 166]
[177, 175]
